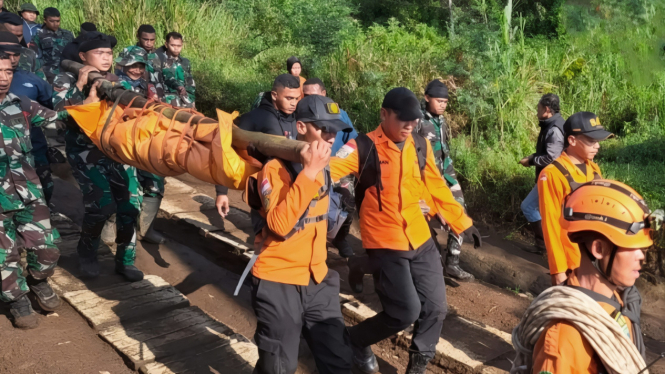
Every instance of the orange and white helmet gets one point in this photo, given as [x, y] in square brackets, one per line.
[612, 209]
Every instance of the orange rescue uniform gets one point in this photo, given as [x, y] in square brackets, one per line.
[302, 256]
[401, 225]
[561, 348]
[562, 254]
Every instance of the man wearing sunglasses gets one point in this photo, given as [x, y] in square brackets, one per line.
[583, 134]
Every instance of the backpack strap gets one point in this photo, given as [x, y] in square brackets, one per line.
[369, 170]
[571, 182]
[421, 152]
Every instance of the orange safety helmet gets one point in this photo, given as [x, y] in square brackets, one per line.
[612, 209]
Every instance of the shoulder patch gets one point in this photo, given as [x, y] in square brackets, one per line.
[543, 177]
[346, 150]
[266, 188]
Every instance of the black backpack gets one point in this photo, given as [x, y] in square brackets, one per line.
[369, 168]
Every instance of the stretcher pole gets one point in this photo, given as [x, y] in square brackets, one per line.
[269, 145]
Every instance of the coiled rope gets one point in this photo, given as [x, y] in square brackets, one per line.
[616, 351]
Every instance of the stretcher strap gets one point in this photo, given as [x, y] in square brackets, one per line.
[105, 146]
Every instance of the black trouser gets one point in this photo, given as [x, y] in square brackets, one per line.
[284, 311]
[411, 289]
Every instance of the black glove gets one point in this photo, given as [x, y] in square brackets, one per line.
[472, 234]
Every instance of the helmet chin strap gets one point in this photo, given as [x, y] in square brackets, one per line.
[607, 273]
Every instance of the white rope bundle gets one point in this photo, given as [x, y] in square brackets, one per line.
[615, 349]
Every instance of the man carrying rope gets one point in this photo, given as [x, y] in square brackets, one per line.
[591, 324]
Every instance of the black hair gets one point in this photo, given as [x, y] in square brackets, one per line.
[173, 35]
[4, 56]
[148, 29]
[285, 81]
[292, 61]
[551, 101]
[313, 81]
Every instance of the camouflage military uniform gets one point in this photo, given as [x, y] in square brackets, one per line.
[177, 72]
[153, 72]
[24, 216]
[49, 46]
[29, 62]
[102, 182]
[152, 185]
[435, 129]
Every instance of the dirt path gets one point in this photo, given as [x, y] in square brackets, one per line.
[64, 343]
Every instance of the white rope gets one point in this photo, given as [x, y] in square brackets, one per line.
[615, 349]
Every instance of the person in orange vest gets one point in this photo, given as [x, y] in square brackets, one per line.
[395, 170]
[583, 134]
[293, 290]
[613, 226]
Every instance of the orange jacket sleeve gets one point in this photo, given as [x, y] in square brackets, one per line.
[561, 349]
[441, 197]
[345, 161]
[551, 192]
[283, 201]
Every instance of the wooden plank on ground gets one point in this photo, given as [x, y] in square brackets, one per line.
[127, 301]
[239, 357]
[171, 335]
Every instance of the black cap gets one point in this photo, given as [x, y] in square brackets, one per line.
[87, 27]
[51, 12]
[95, 40]
[11, 18]
[404, 103]
[323, 112]
[586, 123]
[437, 89]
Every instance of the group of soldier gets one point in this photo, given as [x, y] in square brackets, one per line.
[399, 178]
[35, 91]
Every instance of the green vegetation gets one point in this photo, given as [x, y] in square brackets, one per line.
[604, 56]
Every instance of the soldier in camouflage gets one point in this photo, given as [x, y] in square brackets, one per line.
[12, 24]
[434, 128]
[130, 69]
[49, 43]
[102, 180]
[153, 73]
[179, 86]
[35, 88]
[24, 216]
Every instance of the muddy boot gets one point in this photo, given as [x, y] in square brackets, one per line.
[149, 210]
[417, 364]
[356, 274]
[89, 267]
[452, 260]
[130, 272]
[24, 316]
[537, 229]
[364, 361]
[47, 299]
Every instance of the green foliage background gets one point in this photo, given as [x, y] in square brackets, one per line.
[604, 56]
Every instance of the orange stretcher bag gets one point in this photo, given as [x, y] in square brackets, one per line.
[146, 139]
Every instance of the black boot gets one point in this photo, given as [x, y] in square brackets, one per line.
[417, 363]
[89, 267]
[24, 316]
[364, 361]
[356, 273]
[149, 210]
[46, 297]
[537, 229]
[452, 261]
[130, 272]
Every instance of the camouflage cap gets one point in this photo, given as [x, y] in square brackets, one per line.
[131, 56]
